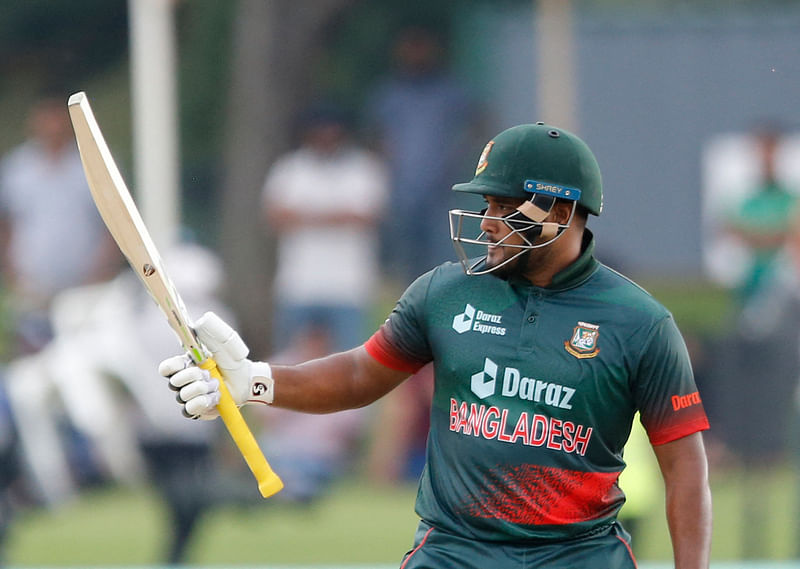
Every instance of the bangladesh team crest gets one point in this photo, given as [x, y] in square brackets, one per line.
[483, 161]
[583, 343]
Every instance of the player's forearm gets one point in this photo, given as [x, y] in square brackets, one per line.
[688, 500]
[689, 519]
[341, 381]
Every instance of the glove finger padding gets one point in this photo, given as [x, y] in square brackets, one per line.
[202, 407]
[198, 392]
[173, 365]
[188, 376]
[207, 385]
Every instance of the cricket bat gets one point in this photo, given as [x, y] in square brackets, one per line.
[122, 218]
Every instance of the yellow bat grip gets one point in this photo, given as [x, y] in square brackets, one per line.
[268, 482]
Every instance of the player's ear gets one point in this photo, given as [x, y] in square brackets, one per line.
[561, 212]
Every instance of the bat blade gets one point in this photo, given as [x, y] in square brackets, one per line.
[122, 218]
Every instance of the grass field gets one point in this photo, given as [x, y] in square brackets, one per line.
[354, 525]
[358, 524]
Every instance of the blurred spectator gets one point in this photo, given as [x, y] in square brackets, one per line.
[107, 338]
[755, 366]
[52, 236]
[761, 222]
[792, 280]
[761, 378]
[324, 201]
[310, 451]
[51, 239]
[422, 118]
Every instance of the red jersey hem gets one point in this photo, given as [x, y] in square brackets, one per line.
[679, 432]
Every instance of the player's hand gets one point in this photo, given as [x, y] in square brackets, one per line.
[198, 392]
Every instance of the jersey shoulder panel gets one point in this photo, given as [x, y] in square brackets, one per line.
[617, 289]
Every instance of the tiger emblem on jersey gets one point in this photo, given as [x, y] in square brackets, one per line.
[583, 343]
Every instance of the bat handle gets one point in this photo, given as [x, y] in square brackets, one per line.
[268, 482]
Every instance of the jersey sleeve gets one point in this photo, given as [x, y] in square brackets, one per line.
[665, 390]
[401, 343]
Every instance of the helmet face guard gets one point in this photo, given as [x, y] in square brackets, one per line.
[536, 164]
[527, 222]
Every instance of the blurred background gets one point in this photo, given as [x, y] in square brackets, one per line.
[366, 113]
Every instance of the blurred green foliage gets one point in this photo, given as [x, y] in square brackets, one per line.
[204, 44]
[64, 41]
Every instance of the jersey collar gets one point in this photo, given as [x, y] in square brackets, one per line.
[583, 267]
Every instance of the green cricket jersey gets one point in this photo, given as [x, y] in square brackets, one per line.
[535, 392]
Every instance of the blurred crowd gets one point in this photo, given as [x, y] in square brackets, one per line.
[359, 205]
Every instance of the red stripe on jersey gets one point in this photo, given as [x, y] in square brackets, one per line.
[380, 349]
[673, 433]
[417, 548]
[683, 416]
[540, 495]
[630, 552]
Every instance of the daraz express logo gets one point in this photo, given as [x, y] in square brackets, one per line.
[472, 320]
[513, 384]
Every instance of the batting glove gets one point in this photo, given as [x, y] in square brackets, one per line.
[198, 392]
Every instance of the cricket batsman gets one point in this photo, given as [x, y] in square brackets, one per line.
[542, 356]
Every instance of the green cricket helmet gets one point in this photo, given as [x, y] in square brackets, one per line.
[538, 163]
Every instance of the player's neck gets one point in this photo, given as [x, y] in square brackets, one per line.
[553, 259]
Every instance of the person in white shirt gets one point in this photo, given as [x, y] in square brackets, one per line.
[323, 201]
[52, 235]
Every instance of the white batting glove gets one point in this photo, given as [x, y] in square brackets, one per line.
[198, 392]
